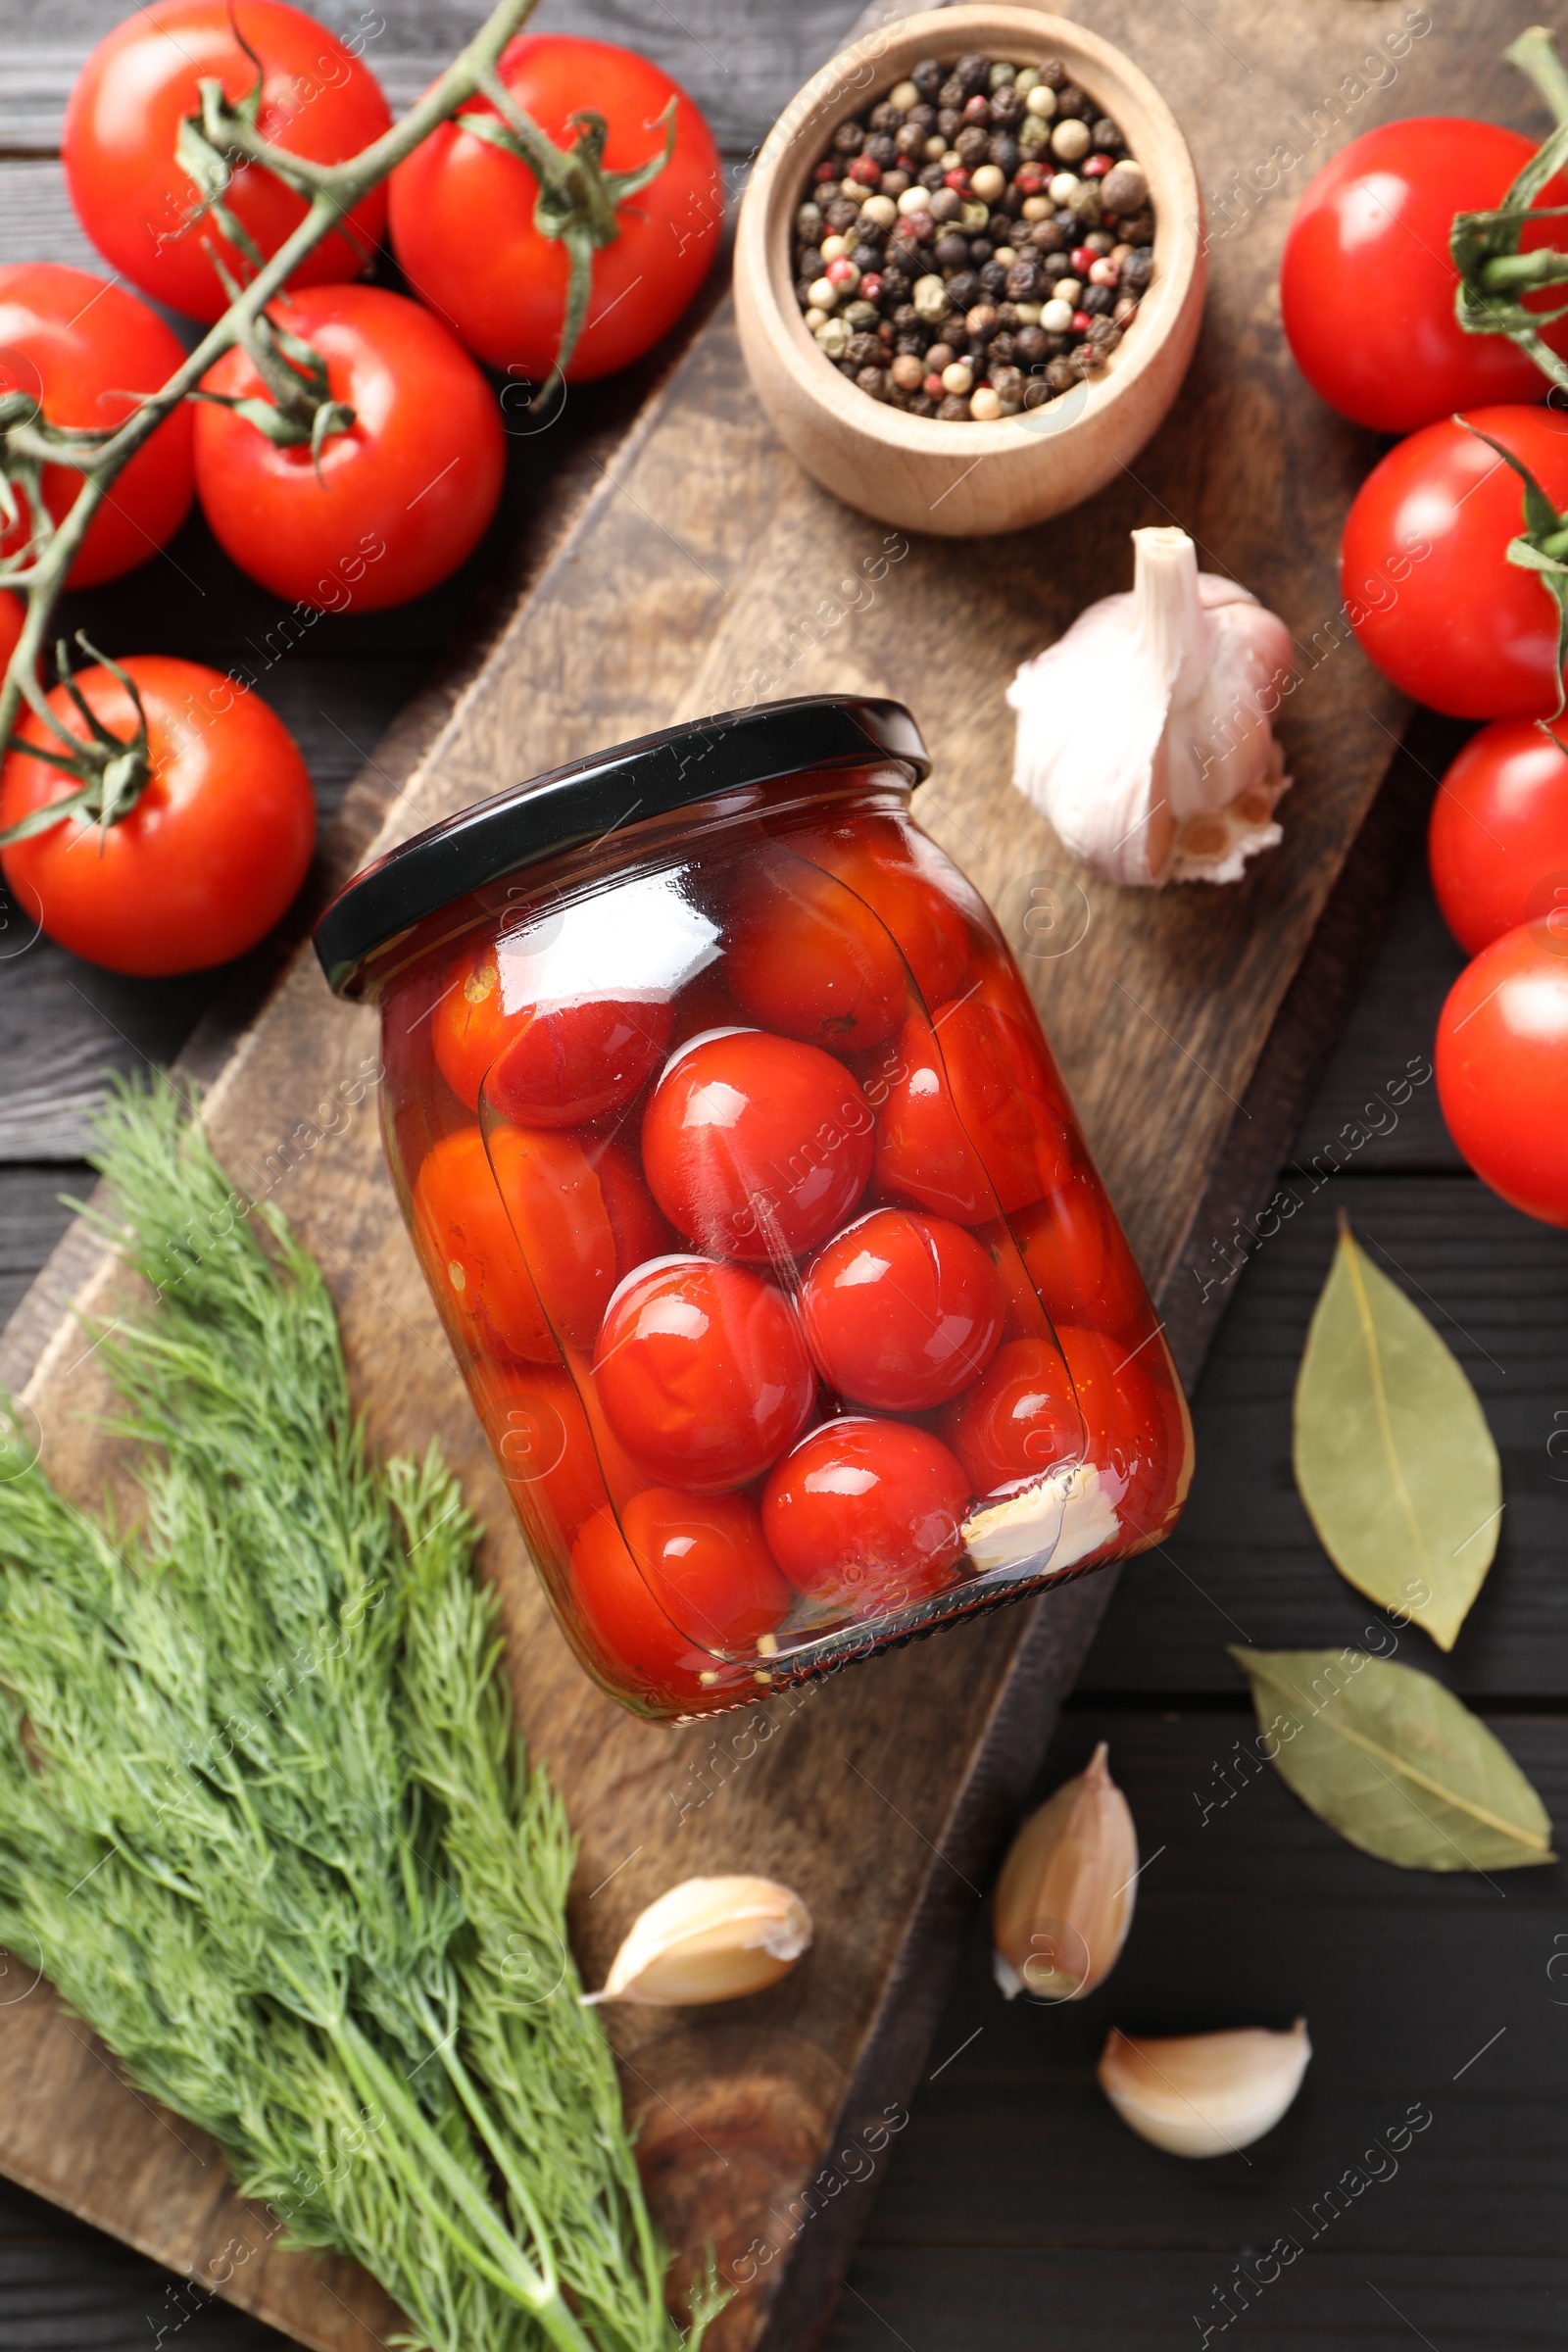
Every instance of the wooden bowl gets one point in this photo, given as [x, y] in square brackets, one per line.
[962, 480]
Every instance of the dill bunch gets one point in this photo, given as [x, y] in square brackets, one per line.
[263, 1810]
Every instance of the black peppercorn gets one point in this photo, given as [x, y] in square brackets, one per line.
[955, 333]
[979, 251]
[909, 140]
[963, 290]
[1071, 104]
[849, 138]
[1056, 265]
[1000, 352]
[1035, 393]
[1053, 74]
[993, 279]
[954, 410]
[1030, 347]
[928, 76]
[1026, 281]
[873, 381]
[908, 345]
[896, 285]
[1003, 149]
[932, 176]
[1062, 375]
[1006, 106]
[882, 150]
[885, 116]
[864, 350]
[949, 122]
[1107, 137]
[1139, 229]
[1007, 381]
[1083, 359]
[952, 95]
[951, 252]
[1096, 299]
[923, 115]
[921, 404]
[1046, 237]
[849, 369]
[1067, 223]
[1104, 335]
[973, 144]
[973, 73]
[1136, 270]
[841, 214]
[945, 204]
[803, 291]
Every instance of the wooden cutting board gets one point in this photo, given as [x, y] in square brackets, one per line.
[696, 567]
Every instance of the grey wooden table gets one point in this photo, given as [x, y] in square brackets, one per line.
[1016, 2213]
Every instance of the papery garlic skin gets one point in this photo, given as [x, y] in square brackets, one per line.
[1064, 1900]
[1143, 733]
[1204, 2094]
[708, 1939]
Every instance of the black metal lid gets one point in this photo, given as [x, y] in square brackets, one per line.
[590, 798]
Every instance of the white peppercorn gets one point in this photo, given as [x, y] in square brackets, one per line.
[1070, 139]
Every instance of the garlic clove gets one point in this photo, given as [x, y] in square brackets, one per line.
[1064, 1900]
[1052, 1524]
[708, 1939]
[1145, 733]
[1204, 2094]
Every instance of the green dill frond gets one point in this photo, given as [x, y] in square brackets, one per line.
[264, 1809]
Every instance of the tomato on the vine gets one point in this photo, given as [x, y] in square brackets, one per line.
[1425, 573]
[388, 506]
[756, 1146]
[679, 1572]
[133, 197]
[1497, 843]
[208, 855]
[702, 1372]
[86, 351]
[865, 1516]
[1502, 1065]
[1367, 286]
[463, 221]
[902, 1310]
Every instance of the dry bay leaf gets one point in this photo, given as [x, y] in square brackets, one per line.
[1393, 1761]
[1394, 1459]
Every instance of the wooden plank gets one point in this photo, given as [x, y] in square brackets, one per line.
[1245, 1564]
[1161, 1025]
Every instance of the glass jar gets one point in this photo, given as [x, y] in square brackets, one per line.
[755, 1207]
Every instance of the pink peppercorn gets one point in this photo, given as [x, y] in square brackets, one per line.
[1104, 271]
[1095, 166]
[863, 170]
[1080, 320]
[958, 179]
[934, 385]
[824, 173]
[977, 110]
[1029, 180]
[872, 287]
[842, 272]
[1084, 258]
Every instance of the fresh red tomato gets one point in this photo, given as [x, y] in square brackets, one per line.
[970, 1117]
[87, 350]
[558, 1466]
[1019, 1421]
[1366, 285]
[1498, 838]
[393, 503]
[904, 881]
[123, 122]
[757, 1146]
[866, 1516]
[1077, 1259]
[807, 958]
[702, 1372]
[13, 614]
[564, 1064]
[1135, 1419]
[679, 1571]
[1502, 1067]
[462, 214]
[1425, 573]
[902, 1310]
[210, 853]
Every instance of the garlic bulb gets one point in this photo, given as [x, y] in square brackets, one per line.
[1143, 733]
[708, 1939]
[1204, 2094]
[1064, 1900]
